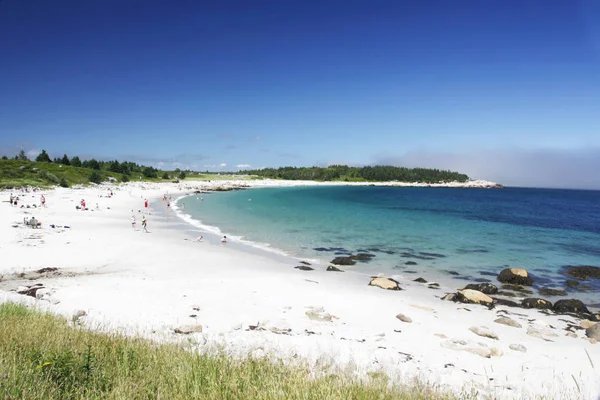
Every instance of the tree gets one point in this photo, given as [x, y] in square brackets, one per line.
[22, 156]
[43, 157]
[95, 177]
[4, 158]
[65, 160]
[76, 162]
[165, 175]
[91, 164]
[181, 175]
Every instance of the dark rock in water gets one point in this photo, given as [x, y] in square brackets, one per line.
[517, 288]
[451, 272]
[320, 249]
[507, 294]
[467, 251]
[410, 263]
[334, 269]
[570, 306]
[410, 271]
[433, 286]
[571, 283]
[481, 280]
[518, 276]
[343, 261]
[388, 252]
[436, 255]
[304, 262]
[420, 280]
[552, 292]
[487, 273]
[363, 257]
[504, 302]
[486, 288]
[417, 256]
[582, 272]
[304, 268]
[584, 288]
[540, 304]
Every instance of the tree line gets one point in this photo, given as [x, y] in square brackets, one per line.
[377, 173]
[126, 168]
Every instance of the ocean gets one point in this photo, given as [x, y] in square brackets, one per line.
[438, 233]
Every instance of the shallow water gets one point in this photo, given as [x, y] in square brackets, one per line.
[473, 232]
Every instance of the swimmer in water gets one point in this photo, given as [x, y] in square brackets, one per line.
[224, 239]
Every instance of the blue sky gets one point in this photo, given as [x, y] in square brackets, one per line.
[488, 87]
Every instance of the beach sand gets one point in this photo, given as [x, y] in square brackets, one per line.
[250, 302]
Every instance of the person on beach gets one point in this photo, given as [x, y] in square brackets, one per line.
[224, 239]
[199, 238]
[133, 221]
[144, 224]
[43, 200]
[146, 203]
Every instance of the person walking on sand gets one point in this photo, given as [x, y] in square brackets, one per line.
[146, 203]
[43, 200]
[144, 224]
[133, 221]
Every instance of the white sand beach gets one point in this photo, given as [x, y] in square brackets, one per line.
[151, 283]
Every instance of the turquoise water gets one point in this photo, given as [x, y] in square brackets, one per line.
[474, 232]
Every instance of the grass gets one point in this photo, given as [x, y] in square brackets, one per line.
[43, 356]
[42, 174]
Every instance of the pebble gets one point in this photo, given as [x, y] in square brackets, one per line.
[404, 318]
[518, 347]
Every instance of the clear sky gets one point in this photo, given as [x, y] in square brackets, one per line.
[505, 90]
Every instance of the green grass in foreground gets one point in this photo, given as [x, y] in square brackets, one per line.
[43, 357]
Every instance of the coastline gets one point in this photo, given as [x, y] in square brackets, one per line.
[148, 284]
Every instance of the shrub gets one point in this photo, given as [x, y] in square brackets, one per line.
[165, 175]
[125, 178]
[95, 177]
[63, 183]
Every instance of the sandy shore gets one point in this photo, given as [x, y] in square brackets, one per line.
[152, 283]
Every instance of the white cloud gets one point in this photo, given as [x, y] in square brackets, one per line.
[32, 154]
[222, 165]
[242, 166]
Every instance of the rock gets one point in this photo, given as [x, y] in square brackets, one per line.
[552, 292]
[363, 257]
[496, 352]
[29, 291]
[304, 268]
[570, 306]
[518, 347]
[449, 297]
[571, 334]
[540, 304]
[518, 276]
[585, 324]
[45, 270]
[461, 345]
[343, 261]
[484, 331]
[504, 302]
[454, 273]
[508, 321]
[404, 318]
[485, 288]
[41, 293]
[331, 268]
[420, 280]
[593, 332]
[473, 296]
[516, 288]
[319, 316]
[582, 272]
[304, 262]
[539, 333]
[571, 283]
[187, 329]
[507, 294]
[410, 263]
[385, 283]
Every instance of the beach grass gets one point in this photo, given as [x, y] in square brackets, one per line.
[43, 356]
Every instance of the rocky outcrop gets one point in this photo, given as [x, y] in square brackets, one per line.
[571, 283]
[508, 322]
[385, 283]
[582, 272]
[363, 257]
[486, 288]
[30, 290]
[410, 263]
[304, 268]
[473, 296]
[420, 280]
[343, 261]
[331, 268]
[540, 304]
[570, 306]
[552, 292]
[517, 276]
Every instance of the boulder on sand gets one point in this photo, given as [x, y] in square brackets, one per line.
[517, 276]
[486, 288]
[593, 332]
[385, 283]
[331, 268]
[343, 261]
[473, 296]
[570, 306]
[540, 304]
